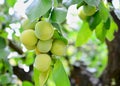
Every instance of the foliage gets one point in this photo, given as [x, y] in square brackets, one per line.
[93, 31]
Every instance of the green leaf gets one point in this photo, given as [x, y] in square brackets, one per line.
[40, 78]
[44, 77]
[57, 35]
[101, 32]
[11, 2]
[4, 53]
[58, 15]
[5, 79]
[110, 33]
[1, 64]
[38, 8]
[55, 3]
[36, 77]
[27, 83]
[94, 20]
[107, 24]
[57, 26]
[29, 58]
[67, 3]
[104, 13]
[2, 43]
[92, 2]
[83, 34]
[7, 65]
[59, 75]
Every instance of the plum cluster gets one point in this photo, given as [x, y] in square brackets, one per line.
[42, 40]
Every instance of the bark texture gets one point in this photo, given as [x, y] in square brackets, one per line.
[111, 75]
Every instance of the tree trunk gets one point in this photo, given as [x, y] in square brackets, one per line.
[111, 75]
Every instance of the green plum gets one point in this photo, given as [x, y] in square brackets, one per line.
[42, 62]
[44, 30]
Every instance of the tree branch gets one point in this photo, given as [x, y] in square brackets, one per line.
[15, 47]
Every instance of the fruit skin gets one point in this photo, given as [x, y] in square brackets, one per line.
[42, 62]
[89, 10]
[37, 52]
[28, 38]
[59, 48]
[44, 30]
[26, 24]
[44, 46]
[81, 13]
[30, 47]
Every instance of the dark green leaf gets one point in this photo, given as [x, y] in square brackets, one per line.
[101, 32]
[107, 24]
[110, 33]
[58, 15]
[38, 8]
[59, 75]
[83, 34]
[92, 2]
[27, 83]
[2, 43]
[80, 4]
[94, 20]
[104, 13]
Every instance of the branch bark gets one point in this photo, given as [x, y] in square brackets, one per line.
[112, 71]
[15, 47]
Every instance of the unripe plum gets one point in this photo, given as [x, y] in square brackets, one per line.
[44, 46]
[28, 38]
[30, 47]
[58, 48]
[37, 51]
[42, 62]
[89, 10]
[44, 30]
[81, 13]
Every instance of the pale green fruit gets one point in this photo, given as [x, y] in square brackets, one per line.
[30, 47]
[58, 48]
[42, 62]
[28, 38]
[37, 52]
[89, 10]
[44, 46]
[81, 13]
[26, 24]
[44, 30]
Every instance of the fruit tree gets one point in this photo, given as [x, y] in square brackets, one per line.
[59, 43]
